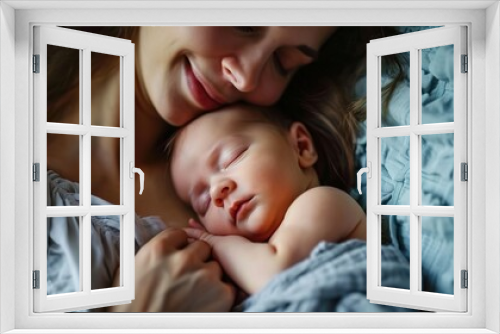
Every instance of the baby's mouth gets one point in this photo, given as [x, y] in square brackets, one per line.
[239, 208]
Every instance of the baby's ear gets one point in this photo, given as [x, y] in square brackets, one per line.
[303, 144]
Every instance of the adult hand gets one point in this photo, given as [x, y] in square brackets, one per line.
[172, 275]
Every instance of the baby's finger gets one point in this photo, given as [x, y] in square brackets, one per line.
[194, 224]
[193, 233]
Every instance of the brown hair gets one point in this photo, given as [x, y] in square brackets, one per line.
[321, 95]
[331, 134]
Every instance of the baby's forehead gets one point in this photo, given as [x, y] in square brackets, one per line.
[211, 127]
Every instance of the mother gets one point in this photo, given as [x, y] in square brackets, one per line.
[182, 72]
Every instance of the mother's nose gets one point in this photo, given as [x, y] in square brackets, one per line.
[220, 189]
[243, 72]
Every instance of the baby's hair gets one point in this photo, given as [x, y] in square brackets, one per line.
[333, 134]
[322, 95]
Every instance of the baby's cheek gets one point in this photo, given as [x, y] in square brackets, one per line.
[260, 226]
[215, 224]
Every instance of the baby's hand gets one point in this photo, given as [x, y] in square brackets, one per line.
[196, 231]
[194, 224]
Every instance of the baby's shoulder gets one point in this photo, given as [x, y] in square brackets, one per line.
[323, 195]
[329, 211]
[324, 203]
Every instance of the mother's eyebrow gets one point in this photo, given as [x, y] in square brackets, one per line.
[308, 51]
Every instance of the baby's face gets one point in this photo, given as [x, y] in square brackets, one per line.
[238, 171]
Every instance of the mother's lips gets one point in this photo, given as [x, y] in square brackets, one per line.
[201, 92]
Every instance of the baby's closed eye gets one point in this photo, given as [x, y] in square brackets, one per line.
[231, 155]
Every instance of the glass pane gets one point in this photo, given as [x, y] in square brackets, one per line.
[395, 170]
[105, 90]
[395, 89]
[437, 85]
[105, 250]
[106, 182]
[437, 169]
[63, 85]
[437, 254]
[63, 255]
[63, 162]
[391, 276]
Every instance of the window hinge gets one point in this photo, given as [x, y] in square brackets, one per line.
[36, 63]
[464, 171]
[465, 279]
[36, 172]
[465, 64]
[36, 279]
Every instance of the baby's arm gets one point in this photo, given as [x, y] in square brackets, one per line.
[250, 265]
[321, 213]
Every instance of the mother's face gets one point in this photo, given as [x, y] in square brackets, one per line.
[186, 71]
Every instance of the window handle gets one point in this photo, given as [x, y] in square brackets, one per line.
[368, 171]
[138, 171]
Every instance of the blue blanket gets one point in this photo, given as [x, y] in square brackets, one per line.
[332, 279]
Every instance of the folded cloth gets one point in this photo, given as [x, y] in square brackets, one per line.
[63, 240]
[331, 279]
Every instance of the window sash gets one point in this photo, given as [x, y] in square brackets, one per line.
[413, 43]
[86, 297]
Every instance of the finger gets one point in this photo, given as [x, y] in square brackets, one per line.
[195, 224]
[214, 269]
[227, 296]
[193, 233]
[171, 237]
[200, 249]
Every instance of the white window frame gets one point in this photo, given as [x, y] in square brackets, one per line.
[484, 103]
[85, 43]
[413, 44]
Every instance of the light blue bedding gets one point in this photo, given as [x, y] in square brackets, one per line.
[63, 240]
[332, 279]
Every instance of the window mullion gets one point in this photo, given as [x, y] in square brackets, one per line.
[86, 168]
[414, 170]
[81, 224]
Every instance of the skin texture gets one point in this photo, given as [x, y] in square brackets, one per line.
[233, 154]
[252, 64]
